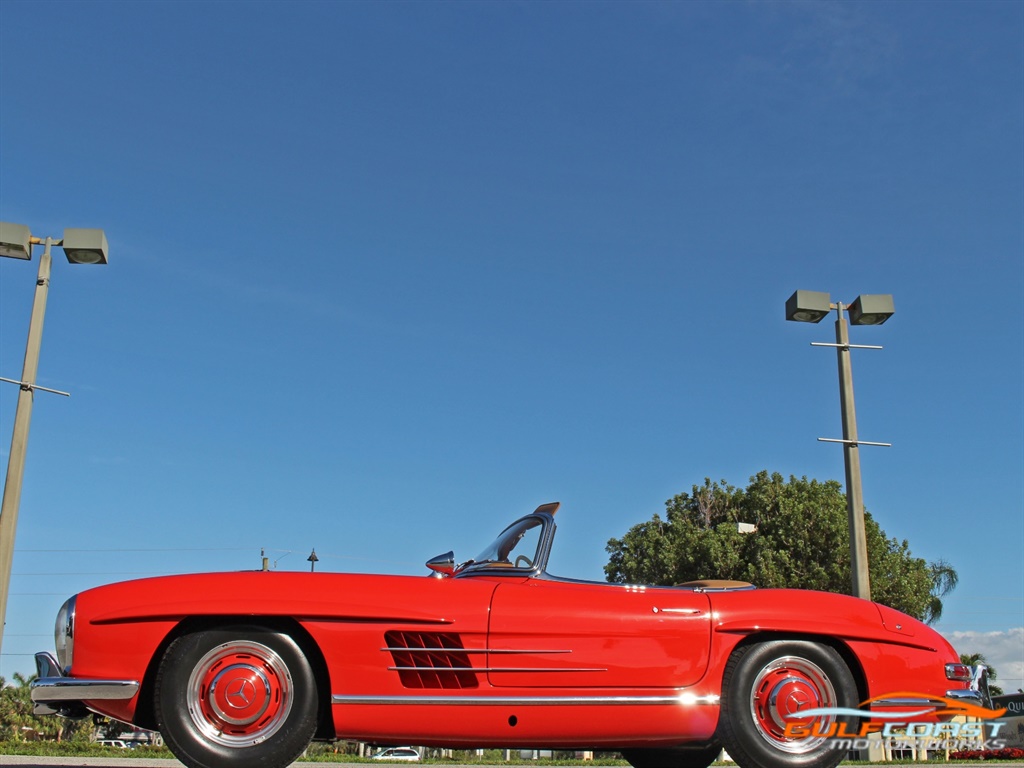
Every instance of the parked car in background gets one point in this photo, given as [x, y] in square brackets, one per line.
[244, 669]
[114, 743]
[403, 754]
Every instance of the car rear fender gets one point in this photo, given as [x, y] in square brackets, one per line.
[728, 642]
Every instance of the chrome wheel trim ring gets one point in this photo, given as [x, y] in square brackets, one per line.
[784, 687]
[239, 694]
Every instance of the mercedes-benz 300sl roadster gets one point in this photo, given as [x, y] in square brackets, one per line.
[245, 669]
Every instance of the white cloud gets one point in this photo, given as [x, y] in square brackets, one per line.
[1003, 650]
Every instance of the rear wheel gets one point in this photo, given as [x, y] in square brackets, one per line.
[765, 689]
[234, 697]
[672, 758]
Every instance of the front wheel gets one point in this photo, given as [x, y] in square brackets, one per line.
[764, 690]
[234, 697]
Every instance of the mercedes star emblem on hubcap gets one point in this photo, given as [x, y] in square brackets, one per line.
[240, 693]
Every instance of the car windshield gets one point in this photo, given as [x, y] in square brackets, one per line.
[516, 545]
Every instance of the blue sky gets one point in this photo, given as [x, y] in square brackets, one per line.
[385, 276]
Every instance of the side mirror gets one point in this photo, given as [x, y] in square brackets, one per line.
[442, 565]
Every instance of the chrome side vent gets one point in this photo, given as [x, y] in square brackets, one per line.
[430, 660]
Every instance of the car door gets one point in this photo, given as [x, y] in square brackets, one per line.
[546, 633]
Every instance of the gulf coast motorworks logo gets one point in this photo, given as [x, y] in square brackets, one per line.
[929, 727]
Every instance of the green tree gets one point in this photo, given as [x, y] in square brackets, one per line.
[944, 581]
[15, 708]
[17, 719]
[801, 539]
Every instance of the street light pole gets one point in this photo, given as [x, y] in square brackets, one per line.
[812, 307]
[851, 455]
[19, 437]
[81, 246]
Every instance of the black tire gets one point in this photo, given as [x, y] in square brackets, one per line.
[672, 758]
[763, 683]
[236, 697]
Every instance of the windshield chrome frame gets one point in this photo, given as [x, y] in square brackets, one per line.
[540, 564]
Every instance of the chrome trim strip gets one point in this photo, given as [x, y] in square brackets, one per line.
[466, 650]
[960, 694]
[537, 701]
[922, 702]
[493, 669]
[683, 611]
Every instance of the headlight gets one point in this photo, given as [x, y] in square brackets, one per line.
[64, 634]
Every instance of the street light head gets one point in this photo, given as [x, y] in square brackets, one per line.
[15, 241]
[808, 306]
[85, 246]
[872, 309]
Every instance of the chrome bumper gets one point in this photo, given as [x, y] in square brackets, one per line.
[977, 698]
[54, 693]
[978, 692]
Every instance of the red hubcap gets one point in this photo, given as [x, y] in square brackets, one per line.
[240, 693]
[781, 691]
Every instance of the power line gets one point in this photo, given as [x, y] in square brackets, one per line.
[159, 549]
[90, 573]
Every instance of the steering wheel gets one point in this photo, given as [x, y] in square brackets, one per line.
[525, 559]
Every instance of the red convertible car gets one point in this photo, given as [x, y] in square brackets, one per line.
[245, 669]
